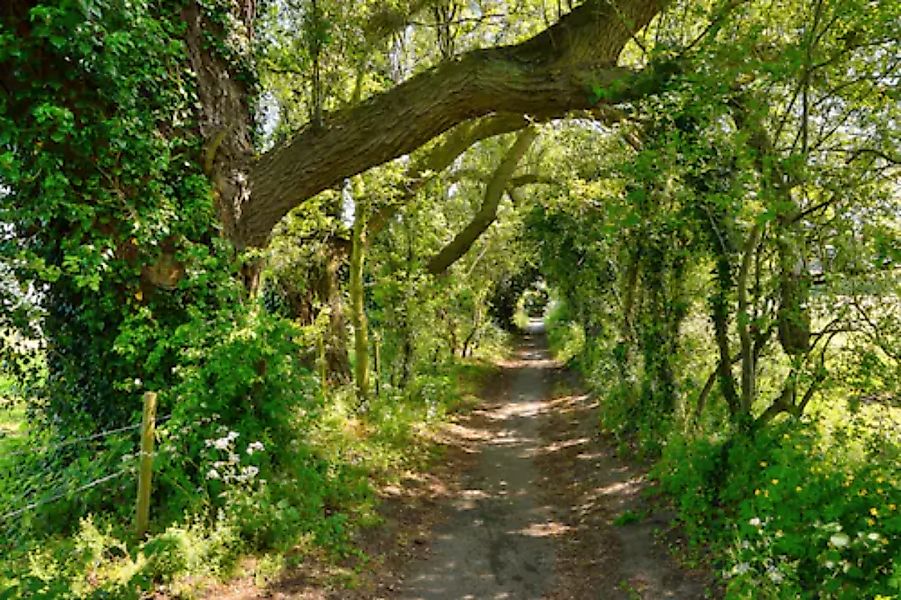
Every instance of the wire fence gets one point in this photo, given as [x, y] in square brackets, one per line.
[81, 440]
[65, 494]
[57, 494]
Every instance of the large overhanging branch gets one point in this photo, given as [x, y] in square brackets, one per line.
[443, 155]
[555, 71]
[437, 159]
[464, 240]
[514, 182]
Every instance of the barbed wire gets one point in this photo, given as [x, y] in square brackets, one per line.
[64, 494]
[87, 438]
[50, 482]
[28, 492]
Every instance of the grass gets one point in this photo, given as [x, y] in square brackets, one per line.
[392, 439]
[12, 431]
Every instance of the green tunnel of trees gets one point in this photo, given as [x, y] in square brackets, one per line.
[282, 215]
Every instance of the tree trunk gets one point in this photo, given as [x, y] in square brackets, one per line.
[225, 115]
[336, 359]
[719, 305]
[627, 328]
[357, 301]
[748, 366]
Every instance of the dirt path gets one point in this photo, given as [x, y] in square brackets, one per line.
[522, 507]
[496, 542]
[592, 489]
[535, 515]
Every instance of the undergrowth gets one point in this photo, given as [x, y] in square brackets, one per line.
[801, 508]
[278, 485]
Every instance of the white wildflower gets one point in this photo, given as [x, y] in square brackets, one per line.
[255, 447]
[741, 568]
[774, 575]
[249, 472]
[755, 522]
[213, 474]
[873, 536]
[839, 540]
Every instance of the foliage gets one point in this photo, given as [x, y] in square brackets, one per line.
[795, 513]
[721, 247]
[117, 128]
[729, 297]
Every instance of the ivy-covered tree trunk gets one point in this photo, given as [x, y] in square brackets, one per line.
[794, 289]
[110, 204]
[661, 316]
[336, 357]
[719, 315]
[625, 347]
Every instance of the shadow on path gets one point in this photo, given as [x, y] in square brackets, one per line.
[497, 541]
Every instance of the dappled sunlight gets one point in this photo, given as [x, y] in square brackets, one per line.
[549, 529]
[561, 445]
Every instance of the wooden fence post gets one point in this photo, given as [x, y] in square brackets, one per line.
[145, 469]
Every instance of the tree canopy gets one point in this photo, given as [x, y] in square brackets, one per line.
[285, 214]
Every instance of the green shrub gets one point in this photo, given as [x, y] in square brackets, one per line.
[566, 337]
[797, 515]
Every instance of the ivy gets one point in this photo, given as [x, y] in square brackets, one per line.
[102, 177]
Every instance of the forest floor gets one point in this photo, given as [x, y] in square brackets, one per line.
[529, 501]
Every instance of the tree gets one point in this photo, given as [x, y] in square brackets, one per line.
[557, 71]
[146, 158]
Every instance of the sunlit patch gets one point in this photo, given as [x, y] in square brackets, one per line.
[519, 409]
[591, 456]
[629, 486]
[548, 529]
